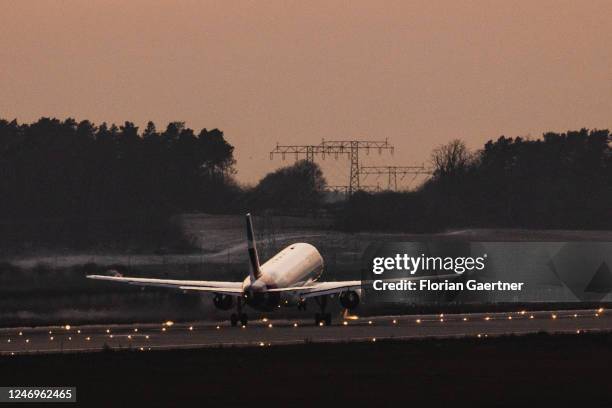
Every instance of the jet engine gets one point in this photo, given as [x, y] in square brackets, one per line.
[223, 302]
[349, 299]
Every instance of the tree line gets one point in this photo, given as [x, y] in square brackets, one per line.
[67, 181]
[563, 180]
[78, 183]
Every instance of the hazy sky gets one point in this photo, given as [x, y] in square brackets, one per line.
[417, 72]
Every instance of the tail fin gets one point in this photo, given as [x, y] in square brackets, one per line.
[255, 271]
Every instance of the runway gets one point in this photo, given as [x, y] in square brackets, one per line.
[265, 333]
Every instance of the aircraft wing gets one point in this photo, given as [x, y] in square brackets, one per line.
[217, 289]
[214, 286]
[320, 288]
[327, 288]
[235, 288]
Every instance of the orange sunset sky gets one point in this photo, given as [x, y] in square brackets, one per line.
[417, 72]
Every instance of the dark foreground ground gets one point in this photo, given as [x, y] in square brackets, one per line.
[530, 371]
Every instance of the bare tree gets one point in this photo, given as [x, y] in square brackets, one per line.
[451, 158]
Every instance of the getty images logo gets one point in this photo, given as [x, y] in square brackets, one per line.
[412, 264]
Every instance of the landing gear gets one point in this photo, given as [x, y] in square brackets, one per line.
[322, 318]
[239, 317]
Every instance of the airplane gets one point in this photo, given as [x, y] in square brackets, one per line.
[289, 278]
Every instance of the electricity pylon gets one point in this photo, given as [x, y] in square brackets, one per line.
[350, 148]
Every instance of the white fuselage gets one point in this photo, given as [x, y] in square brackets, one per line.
[296, 265]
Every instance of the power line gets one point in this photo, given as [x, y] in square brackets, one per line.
[392, 172]
[337, 148]
[351, 149]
